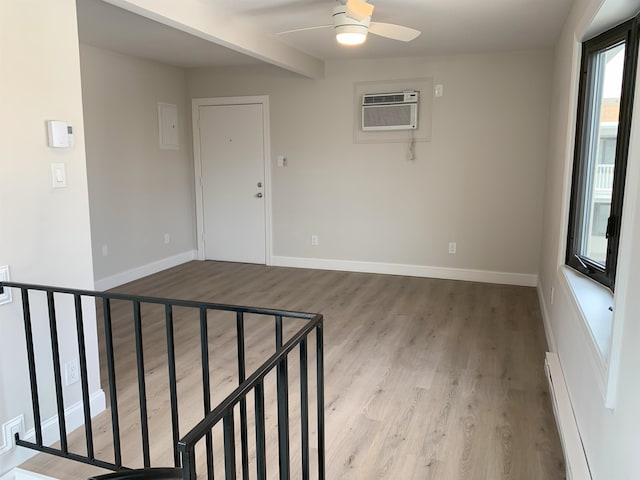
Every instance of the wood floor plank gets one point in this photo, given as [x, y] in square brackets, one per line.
[424, 378]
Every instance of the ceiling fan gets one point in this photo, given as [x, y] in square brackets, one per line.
[352, 22]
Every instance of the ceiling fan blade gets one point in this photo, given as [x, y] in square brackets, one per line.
[304, 29]
[395, 32]
[358, 10]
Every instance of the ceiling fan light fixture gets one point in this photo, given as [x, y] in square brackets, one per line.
[351, 35]
[349, 31]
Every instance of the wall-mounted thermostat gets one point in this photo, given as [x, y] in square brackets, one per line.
[60, 134]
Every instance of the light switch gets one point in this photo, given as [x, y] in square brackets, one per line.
[281, 161]
[58, 175]
[439, 90]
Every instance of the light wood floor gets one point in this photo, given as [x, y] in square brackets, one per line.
[424, 379]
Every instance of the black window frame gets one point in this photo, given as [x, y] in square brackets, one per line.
[629, 33]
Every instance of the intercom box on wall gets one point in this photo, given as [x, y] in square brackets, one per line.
[60, 134]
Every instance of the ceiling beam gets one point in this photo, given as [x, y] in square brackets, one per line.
[214, 25]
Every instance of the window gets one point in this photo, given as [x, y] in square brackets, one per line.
[600, 216]
[602, 143]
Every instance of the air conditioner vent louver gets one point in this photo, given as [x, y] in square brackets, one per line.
[390, 111]
[377, 99]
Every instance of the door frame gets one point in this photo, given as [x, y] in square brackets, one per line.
[196, 103]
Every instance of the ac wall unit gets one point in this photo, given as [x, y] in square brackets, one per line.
[390, 111]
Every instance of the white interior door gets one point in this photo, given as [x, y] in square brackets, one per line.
[232, 163]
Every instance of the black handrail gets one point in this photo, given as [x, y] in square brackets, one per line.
[161, 301]
[224, 411]
[183, 449]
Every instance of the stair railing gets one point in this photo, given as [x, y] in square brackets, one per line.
[232, 411]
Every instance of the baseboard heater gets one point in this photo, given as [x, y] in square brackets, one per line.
[574, 455]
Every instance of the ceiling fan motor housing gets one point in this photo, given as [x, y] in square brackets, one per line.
[347, 25]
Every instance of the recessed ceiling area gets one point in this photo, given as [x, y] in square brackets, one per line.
[103, 25]
[463, 26]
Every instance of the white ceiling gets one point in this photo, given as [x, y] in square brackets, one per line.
[103, 25]
[448, 27]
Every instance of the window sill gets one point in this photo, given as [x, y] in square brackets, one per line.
[593, 301]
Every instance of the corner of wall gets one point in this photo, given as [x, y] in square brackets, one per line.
[74, 418]
[144, 270]
[546, 319]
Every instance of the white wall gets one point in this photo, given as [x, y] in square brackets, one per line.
[479, 182]
[137, 191]
[609, 435]
[45, 235]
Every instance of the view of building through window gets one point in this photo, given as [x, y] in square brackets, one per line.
[607, 89]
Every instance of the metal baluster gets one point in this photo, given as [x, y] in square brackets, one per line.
[261, 453]
[84, 380]
[320, 402]
[229, 446]
[35, 403]
[57, 375]
[283, 407]
[244, 436]
[142, 389]
[304, 409]
[173, 394]
[189, 464]
[206, 386]
[113, 394]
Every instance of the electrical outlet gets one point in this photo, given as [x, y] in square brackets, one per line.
[5, 293]
[167, 238]
[314, 240]
[452, 247]
[105, 250]
[72, 372]
[9, 430]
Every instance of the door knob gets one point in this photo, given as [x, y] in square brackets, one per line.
[259, 195]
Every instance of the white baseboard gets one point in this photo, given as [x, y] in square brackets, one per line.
[546, 321]
[20, 474]
[26, 475]
[142, 271]
[74, 417]
[574, 455]
[10, 475]
[484, 276]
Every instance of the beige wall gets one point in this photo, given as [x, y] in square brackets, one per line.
[608, 435]
[479, 182]
[137, 191]
[44, 233]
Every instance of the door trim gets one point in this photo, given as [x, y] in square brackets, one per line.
[196, 103]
